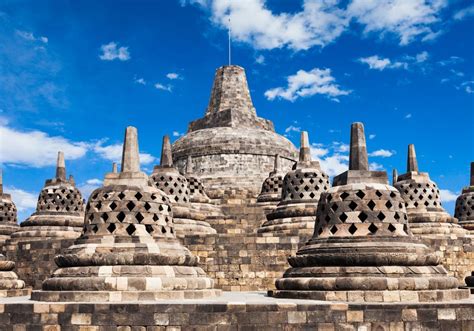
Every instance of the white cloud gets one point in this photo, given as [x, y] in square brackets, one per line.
[319, 23]
[89, 186]
[305, 84]
[36, 148]
[451, 60]
[173, 76]
[177, 134]
[408, 116]
[372, 136]
[292, 128]
[374, 166]
[422, 57]
[382, 153]
[111, 52]
[464, 13]
[114, 153]
[162, 87]
[318, 150]
[330, 158]
[447, 195]
[405, 19]
[31, 37]
[140, 81]
[260, 59]
[23, 200]
[376, 62]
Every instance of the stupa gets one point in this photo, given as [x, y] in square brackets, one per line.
[128, 249]
[423, 203]
[165, 177]
[10, 284]
[464, 210]
[231, 145]
[302, 187]
[8, 221]
[270, 194]
[59, 211]
[362, 248]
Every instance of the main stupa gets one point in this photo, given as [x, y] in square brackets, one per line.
[232, 146]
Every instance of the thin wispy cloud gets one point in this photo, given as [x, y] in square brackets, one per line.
[464, 13]
[112, 51]
[173, 76]
[31, 37]
[380, 63]
[306, 84]
[162, 87]
[114, 153]
[382, 153]
[140, 81]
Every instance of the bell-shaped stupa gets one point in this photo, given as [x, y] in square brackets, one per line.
[270, 194]
[167, 178]
[128, 250]
[10, 285]
[302, 187]
[231, 146]
[423, 202]
[362, 248]
[8, 220]
[464, 210]
[59, 211]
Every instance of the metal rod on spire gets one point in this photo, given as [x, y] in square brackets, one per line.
[229, 43]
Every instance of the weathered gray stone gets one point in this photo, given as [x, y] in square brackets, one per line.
[464, 210]
[8, 215]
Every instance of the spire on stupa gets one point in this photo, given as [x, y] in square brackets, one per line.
[412, 163]
[166, 159]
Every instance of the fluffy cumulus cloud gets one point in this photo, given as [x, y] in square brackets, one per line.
[89, 186]
[320, 22]
[406, 19]
[36, 148]
[114, 153]
[112, 51]
[332, 158]
[447, 195]
[308, 83]
[173, 76]
[23, 200]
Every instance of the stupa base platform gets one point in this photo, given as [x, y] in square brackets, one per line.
[234, 311]
[375, 296]
[15, 293]
[121, 296]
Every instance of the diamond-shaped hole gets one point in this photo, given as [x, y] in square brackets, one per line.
[130, 229]
[352, 229]
[371, 205]
[343, 217]
[381, 216]
[104, 217]
[121, 216]
[111, 228]
[149, 228]
[353, 205]
[121, 195]
[377, 193]
[391, 228]
[147, 206]
[333, 229]
[360, 194]
[139, 217]
[138, 196]
[388, 204]
[130, 205]
[113, 205]
[373, 228]
[344, 195]
[363, 216]
[334, 207]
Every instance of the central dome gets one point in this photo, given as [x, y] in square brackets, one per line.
[233, 147]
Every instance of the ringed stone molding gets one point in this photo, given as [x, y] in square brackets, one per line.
[464, 210]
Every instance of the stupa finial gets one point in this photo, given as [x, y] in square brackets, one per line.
[189, 165]
[1, 181]
[276, 164]
[114, 168]
[394, 176]
[412, 163]
[72, 181]
[130, 154]
[166, 157]
[358, 159]
[305, 152]
[472, 174]
[61, 166]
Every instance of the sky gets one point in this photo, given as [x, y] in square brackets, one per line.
[74, 74]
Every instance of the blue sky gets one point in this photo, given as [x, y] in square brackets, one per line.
[74, 74]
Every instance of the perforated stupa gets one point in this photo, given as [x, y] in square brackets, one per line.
[166, 177]
[59, 211]
[231, 146]
[272, 186]
[302, 187]
[426, 215]
[8, 220]
[464, 210]
[128, 249]
[362, 248]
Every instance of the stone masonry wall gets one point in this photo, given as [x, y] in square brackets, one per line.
[34, 260]
[234, 316]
